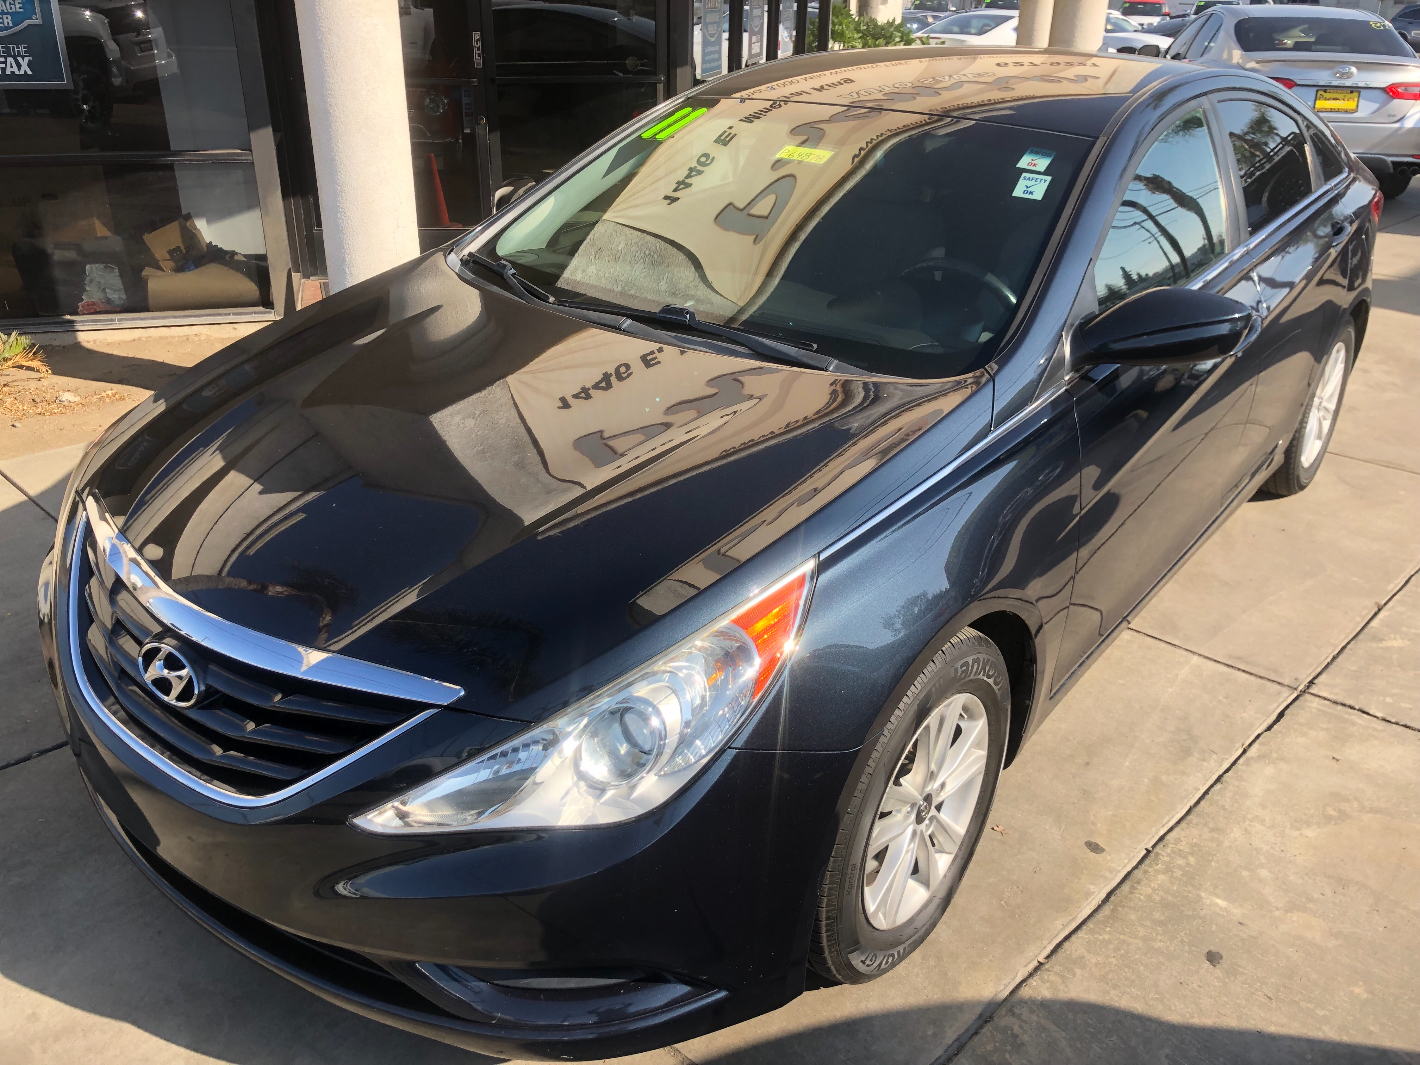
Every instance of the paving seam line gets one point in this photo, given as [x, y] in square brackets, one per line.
[1373, 462]
[1216, 661]
[994, 1003]
[11, 481]
[681, 1057]
[1363, 710]
[33, 755]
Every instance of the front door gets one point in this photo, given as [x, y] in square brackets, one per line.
[1162, 447]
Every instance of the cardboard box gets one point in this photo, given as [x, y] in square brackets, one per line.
[211, 287]
[176, 244]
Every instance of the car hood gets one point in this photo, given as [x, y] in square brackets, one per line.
[433, 475]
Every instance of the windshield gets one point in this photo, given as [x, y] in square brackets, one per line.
[1142, 7]
[972, 23]
[1302, 34]
[893, 241]
[1117, 24]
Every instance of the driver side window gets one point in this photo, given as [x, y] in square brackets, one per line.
[1170, 224]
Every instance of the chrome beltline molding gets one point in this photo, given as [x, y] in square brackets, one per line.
[247, 645]
[151, 756]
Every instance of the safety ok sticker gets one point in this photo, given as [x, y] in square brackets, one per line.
[818, 156]
[1036, 159]
[1031, 186]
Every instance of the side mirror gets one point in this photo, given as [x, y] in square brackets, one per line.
[1163, 327]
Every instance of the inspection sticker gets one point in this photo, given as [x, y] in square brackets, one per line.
[1031, 187]
[817, 156]
[1036, 159]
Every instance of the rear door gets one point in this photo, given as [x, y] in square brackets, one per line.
[1163, 448]
[1294, 269]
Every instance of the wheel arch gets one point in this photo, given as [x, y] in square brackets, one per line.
[1360, 315]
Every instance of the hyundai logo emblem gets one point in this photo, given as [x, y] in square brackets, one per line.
[168, 674]
[1345, 70]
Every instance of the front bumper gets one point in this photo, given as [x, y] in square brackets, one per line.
[703, 907]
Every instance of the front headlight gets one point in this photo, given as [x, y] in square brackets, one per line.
[625, 750]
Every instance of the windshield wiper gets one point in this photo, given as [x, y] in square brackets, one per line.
[525, 290]
[685, 319]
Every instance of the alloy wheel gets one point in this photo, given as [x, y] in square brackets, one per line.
[925, 811]
[1322, 411]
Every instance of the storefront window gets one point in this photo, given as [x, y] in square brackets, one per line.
[132, 189]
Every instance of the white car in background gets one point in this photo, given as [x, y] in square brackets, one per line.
[990, 28]
[1350, 67]
[1144, 13]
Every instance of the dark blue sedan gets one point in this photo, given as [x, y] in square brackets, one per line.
[582, 636]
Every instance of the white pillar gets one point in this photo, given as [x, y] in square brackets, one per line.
[1078, 24]
[354, 70]
[882, 10]
[1033, 29]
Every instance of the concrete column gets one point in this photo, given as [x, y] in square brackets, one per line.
[1078, 24]
[360, 133]
[882, 10]
[1033, 29]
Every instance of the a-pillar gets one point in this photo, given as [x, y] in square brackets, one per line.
[354, 69]
[1078, 24]
[1033, 27]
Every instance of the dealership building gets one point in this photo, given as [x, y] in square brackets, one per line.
[162, 162]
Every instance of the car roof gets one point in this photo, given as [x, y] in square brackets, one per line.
[1296, 11]
[1041, 88]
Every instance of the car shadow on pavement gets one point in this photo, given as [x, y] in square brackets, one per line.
[1055, 1032]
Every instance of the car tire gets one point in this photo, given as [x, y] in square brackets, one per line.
[1393, 185]
[1308, 445]
[967, 685]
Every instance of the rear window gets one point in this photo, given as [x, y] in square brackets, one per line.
[1302, 34]
[1142, 7]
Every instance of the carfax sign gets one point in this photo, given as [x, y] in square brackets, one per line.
[31, 45]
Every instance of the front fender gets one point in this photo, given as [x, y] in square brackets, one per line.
[996, 534]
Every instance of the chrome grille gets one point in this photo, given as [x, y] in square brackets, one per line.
[255, 733]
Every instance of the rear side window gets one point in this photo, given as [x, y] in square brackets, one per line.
[1206, 36]
[1271, 157]
[1170, 224]
[1279, 33]
[1184, 40]
[1329, 157]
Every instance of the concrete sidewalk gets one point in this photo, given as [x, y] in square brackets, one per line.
[1207, 854]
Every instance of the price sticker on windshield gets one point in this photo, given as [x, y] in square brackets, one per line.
[1036, 159]
[1032, 186]
[817, 156]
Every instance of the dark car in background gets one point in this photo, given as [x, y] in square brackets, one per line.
[1407, 23]
[590, 633]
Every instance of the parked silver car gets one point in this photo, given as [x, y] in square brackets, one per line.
[1350, 66]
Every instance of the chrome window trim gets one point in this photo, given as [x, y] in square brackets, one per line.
[1268, 233]
[247, 645]
[152, 756]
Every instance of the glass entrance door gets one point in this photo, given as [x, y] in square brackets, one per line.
[448, 125]
[500, 93]
[567, 73]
